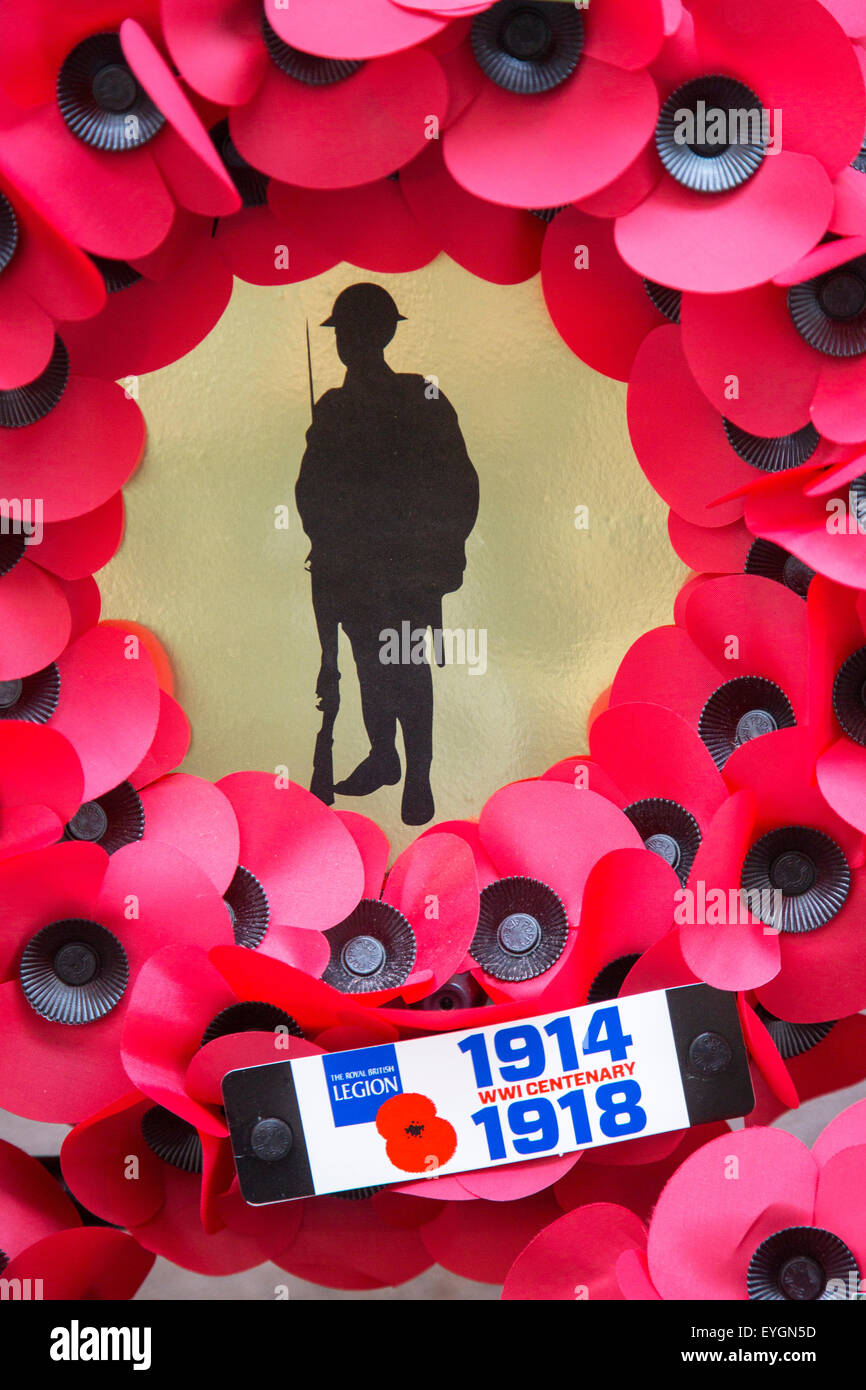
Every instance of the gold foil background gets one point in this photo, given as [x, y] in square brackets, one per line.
[204, 566]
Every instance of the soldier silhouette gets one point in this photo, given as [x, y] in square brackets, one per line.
[387, 495]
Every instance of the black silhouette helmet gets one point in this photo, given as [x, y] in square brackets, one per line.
[366, 307]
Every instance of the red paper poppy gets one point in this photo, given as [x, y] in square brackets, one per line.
[576, 1256]
[102, 695]
[734, 667]
[671, 423]
[837, 623]
[756, 1215]
[599, 306]
[138, 1165]
[356, 117]
[37, 561]
[77, 930]
[40, 787]
[552, 78]
[820, 1058]
[785, 353]
[43, 279]
[800, 867]
[357, 1242]
[44, 1242]
[713, 225]
[105, 139]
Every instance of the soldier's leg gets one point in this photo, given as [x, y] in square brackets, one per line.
[381, 767]
[415, 713]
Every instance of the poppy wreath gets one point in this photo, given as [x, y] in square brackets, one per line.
[690, 181]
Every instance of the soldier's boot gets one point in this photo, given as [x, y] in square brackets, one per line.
[418, 805]
[379, 769]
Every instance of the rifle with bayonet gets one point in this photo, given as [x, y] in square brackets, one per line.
[328, 683]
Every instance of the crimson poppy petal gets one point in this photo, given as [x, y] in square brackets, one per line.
[153, 322]
[823, 973]
[352, 132]
[721, 1204]
[193, 816]
[95, 1159]
[665, 667]
[583, 277]
[56, 274]
[74, 549]
[729, 241]
[107, 707]
[716, 549]
[651, 751]
[433, 884]
[766, 1055]
[218, 47]
[665, 440]
[846, 1130]
[32, 1205]
[575, 1257]
[481, 1240]
[26, 337]
[341, 1241]
[116, 207]
[372, 226]
[507, 147]
[552, 832]
[797, 57]
[837, 407]
[347, 30]
[34, 620]
[93, 1263]
[169, 746]
[38, 765]
[373, 848]
[730, 339]
[498, 244]
[58, 882]
[841, 773]
[177, 992]
[508, 1182]
[304, 856]
[628, 34]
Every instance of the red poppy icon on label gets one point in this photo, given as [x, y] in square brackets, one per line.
[416, 1138]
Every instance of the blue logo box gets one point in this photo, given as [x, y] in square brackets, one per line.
[360, 1081]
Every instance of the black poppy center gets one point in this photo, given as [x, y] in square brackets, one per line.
[101, 99]
[363, 955]
[8, 232]
[526, 33]
[609, 981]
[460, 992]
[518, 933]
[373, 948]
[793, 872]
[772, 453]
[32, 699]
[112, 820]
[172, 1139]
[668, 830]
[744, 708]
[527, 47]
[711, 134]
[10, 692]
[75, 963]
[802, 1264]
[668, 302]
[849, 696]
[772, 561]
[250, 1016]
[792, 1039]
[25, 405]
[795, 878]
[116, 275]
[522, 929]
[251, 184]
[305, 67]
[248, 907]
[114, 88]
[829, 310]
[74, 971]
